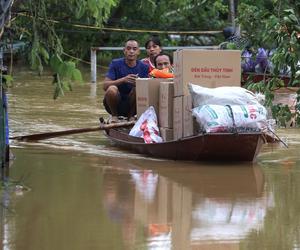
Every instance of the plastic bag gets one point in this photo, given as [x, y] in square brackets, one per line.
[221, 96]
[146, 127]
[238, 118]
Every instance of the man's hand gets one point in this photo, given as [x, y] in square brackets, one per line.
[131, 78]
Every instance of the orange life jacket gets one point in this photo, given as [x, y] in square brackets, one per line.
[161, 73]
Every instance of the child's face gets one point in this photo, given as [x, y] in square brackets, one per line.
[163, 62]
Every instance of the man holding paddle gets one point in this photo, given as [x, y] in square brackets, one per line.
[119, 83]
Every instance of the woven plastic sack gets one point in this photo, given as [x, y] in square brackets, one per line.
[146, 127]
[219, 118]
[221, 96]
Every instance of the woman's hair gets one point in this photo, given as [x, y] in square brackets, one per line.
[154, 39]
[163, 54]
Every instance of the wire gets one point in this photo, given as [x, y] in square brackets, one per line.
[83, 61]
[130, 30]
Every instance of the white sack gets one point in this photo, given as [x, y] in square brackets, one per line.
[218, 118]
[146, 127]
[221, 96]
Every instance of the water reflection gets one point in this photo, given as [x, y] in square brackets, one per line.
[209, 206]
[93, 93]
[10, 190]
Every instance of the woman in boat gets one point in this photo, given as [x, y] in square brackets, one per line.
[153, 48]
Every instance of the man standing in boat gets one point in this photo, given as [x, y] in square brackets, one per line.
[119, 82]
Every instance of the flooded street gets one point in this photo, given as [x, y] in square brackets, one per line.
[79, 192]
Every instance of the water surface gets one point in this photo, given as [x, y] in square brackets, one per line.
[79, 192]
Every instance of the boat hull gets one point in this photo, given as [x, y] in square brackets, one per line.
[206, 147]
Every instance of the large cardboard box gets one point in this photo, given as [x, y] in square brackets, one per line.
[147, 94]
[188, 120]
[166, 133]
[166, 94]
[208, 68]
[177, 118]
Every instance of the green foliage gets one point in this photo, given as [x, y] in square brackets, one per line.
[65, 74]
[252, 18]
[231, 46]
[171, 15]
[271, 24]
[275, 25]
[48, 30]
[46, 39]
[280, 112]
[285, 34]
[7, 81]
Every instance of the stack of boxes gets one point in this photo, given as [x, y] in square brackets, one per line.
[147, 94]
[172, 100]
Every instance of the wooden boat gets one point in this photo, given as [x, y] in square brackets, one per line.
[202, 147]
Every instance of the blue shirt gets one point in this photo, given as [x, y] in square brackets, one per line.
[118, 69]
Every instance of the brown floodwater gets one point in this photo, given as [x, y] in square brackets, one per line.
[79, 192]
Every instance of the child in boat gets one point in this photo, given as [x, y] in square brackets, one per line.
[163, 66]
[153, 48]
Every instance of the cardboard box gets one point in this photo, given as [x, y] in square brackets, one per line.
[208, 68]
[147, 94]
[177, 118]
[188, 120]
[166, 94]
[166, 133]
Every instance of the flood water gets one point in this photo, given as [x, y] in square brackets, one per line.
[78, 192]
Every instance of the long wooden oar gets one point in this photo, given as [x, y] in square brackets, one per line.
[43, 136]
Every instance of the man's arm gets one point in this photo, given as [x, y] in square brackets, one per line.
[131, 78]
